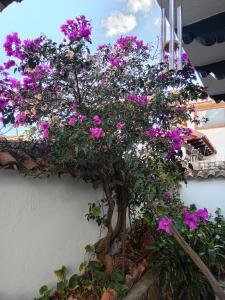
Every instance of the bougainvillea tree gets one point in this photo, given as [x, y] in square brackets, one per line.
[112, 118]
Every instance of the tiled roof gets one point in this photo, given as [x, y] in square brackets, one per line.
[12, 157]
[207, 169]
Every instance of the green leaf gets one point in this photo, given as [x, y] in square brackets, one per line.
[61, 285]
[43, 290]
[74, 281]
[96, 211]
[61, 274]
[117, 276]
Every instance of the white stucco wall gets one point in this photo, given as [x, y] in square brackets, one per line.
[208, 193]
[217, 138]
[42, 227]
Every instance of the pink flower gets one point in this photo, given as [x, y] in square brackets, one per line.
[15, 84]
[185, 57]
[3, 103]
[74, 106]
[97, 120]
[12, 45]
[21, 117]
[10, 63]
[190, 220]
[165, 225]
[96, 133]
[45, 134]
[202, 214]
[102, 47]
[82, 118]
[116, 61]
[120, 125]
[77, 29]
[44, 125]
[72, 121]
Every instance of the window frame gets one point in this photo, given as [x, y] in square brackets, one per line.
[208, 106]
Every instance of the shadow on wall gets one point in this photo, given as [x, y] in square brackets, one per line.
[42, 227]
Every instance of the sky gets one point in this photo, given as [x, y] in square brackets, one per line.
[110, 19]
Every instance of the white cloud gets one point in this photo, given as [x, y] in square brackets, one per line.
[157, 21]
[139, 5]
[118, 23]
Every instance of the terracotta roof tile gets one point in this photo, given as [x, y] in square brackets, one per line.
[207, 169]
[13, 157]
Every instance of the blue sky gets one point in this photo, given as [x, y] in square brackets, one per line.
[110, 18]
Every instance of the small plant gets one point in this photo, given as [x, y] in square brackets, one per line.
[174, 271]
[91, 283]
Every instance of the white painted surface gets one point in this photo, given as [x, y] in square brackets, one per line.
[217, 138]
[42, 227]
[208, 193]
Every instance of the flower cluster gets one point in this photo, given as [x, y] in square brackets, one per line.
[20, 119]
[130, 43]
[12, 45]
[165, 225]
[175, 137]
[33, 45]
[76, 29]
[143, 100]
[116, 61]
[191, 220]
[96, 133]
[44, 127]
[3, 103]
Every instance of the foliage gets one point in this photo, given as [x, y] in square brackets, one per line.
[90, 284]
[176, 273]
[112, 118]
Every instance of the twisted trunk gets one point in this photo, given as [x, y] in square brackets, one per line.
[103, 246]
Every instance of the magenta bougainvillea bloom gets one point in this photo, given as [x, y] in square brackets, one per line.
[9, 64]
[202, 214]
[130, 42]
[72, 121]
[96, 133]
[102, 47]
[3, 103]
[185, 57]
[120, 125]
[190, 219]
[116, 61]
[15, 84]
[44, 127]
[81, 118]
[76, 29]
[33, 45]
[165, 225]
[74, 106]
[12, 45]
[97, 120]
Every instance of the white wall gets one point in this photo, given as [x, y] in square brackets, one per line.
[42, 227]
[217, 138]
[209, 193]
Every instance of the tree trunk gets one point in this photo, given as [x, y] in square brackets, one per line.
[103, 246]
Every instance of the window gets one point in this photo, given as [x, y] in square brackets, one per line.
[210, 115]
